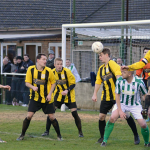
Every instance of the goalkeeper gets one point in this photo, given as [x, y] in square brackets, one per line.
[4, 87]
[127, 93]
[139, 65]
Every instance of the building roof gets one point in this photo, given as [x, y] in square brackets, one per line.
[25, 14]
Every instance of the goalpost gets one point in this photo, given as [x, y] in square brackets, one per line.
[126, 39]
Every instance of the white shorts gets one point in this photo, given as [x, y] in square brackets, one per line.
[135, 110]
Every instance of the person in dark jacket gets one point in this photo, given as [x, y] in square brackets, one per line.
[25, 90]
[7, 69]
[50, 61]
[20, 78]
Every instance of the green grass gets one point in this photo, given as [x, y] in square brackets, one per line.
[10, 128]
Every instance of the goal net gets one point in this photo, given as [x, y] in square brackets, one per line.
[125, 39]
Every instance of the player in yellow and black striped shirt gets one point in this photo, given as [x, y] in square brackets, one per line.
[107, 74]
[41, 81]
[64, 93]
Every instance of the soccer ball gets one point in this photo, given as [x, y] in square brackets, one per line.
[97, 47]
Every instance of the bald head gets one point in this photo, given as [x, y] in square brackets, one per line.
[5, 61]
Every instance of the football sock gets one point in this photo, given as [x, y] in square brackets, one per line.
[102, 125]
[108, 129]
[132, 125]
[25, 126]
[48, 124]
[56, 126]
[145, 133]
[77, 121]
[147, 102]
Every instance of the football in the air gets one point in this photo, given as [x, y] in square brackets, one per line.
[97, 47]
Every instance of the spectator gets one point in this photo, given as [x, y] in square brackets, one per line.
[73, 69]
[7, 69]
[27, 62]
[119, 61]
[20, 79]
[50, 61]
[14, 82]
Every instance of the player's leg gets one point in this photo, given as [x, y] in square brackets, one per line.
[132, 125]
[33, 107]
[48, 121]
[110, 124]
[73, 108]
[136, 112]
[50, 110]
[147, 99]
[25, 125]
[105, 106]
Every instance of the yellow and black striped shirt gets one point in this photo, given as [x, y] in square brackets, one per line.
[41, 79]
[107, 75]
[64, 79]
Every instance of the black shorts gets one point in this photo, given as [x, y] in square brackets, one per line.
[46, 107]
[105, 106]
[69, 105]
[146, 83]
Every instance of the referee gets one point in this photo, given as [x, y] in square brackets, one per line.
[41, 81]
[64, 93]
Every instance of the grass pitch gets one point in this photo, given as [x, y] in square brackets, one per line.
[11, 118]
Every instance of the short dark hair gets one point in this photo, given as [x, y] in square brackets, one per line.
[106, 51]
[39, 56]
[26, 55]
[146, 48]
[68, 59]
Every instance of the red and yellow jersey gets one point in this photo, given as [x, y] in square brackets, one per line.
[140, 64]
[107, 75]
[41, 79]
[144, 71]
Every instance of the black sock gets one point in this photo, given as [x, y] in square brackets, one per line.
[48, 124]
[25, 126]
[102, 125]
[56, 126]
[132, 125]
[147, 102]
[77, 121]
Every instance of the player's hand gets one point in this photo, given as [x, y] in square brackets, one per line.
[48, 98]
[34, 88]
[7, 87]
[64, 92]
[94, 98]
[122, 114]
[124, 67]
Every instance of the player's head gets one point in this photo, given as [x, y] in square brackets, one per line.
[145, 50]
[126, 74]
[104, 56]
[68, 62]
[58, 63]
[41, 60]
[119, 61]
[26, 57]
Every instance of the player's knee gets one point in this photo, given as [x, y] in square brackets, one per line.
[143, 125]
[112, 120]
[102, 117]
[74, 114]
[29, 117]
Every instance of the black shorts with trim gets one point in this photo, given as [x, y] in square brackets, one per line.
[46, 107]
[69, 105]
[146, 83]
[105, 106]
